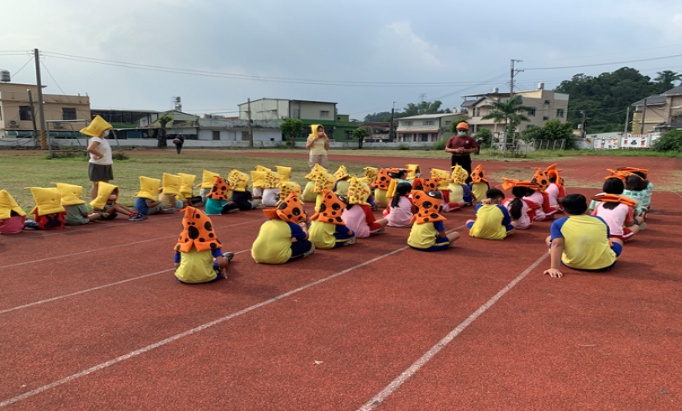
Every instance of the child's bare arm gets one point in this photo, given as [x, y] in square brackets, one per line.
[555, 258]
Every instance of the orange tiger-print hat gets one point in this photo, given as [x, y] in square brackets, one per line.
[614, 198]
[478, 174]
[635, 170]
[428, 205]
[289, 209]
[541, 179]
[219, 190]
[617, 174]
[431, 184]
[331, 208]
[553, 172]
[197, 232]
[511, 183]
[383, 180]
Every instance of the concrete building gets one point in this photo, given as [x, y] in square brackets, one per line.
[425, 127]
[658, 112]
[64, 115]
[266, 133]
[545, 104]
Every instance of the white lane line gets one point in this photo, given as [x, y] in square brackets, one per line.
[59, 297]
[111, 246]
[405, 375]
[187, 333]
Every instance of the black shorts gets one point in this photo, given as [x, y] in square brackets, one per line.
[98, 172]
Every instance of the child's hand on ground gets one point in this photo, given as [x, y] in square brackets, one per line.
[554, 273]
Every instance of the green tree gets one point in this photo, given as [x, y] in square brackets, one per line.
[424, 107]
[508, 111]
[485, 137]
[670, 140]
[291, 128]
[161, 135]
[381, 117]
[553, 130]
[666, 78]
[360, 134]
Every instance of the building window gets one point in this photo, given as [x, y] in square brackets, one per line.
[428, 122]
[349, 135]
[560, 113]
[408, 123]
[245, 136]
[545, 118]
[25, 113]
[424, 137]
[531, 112]
[324, 113]
[216, 135]
[296, 113]
[68, 113]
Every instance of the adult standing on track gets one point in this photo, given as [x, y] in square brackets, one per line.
[461, 145]
[318, 144]
[100, 165]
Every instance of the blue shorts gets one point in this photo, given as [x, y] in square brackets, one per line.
[441, 244]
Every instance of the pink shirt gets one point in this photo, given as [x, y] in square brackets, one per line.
[357, 220]
[553, 192]
[616, 218]
[538, 199]
[400, 216]
[12, 225]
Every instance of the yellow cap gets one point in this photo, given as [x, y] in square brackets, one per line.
[149, 188]
[96, 127]
[104, 190]
[48, 201]
[284, 173]
[171, 184]
[8, 204]
[71, 194]
[258, 178]
[187, 185]
[207, 179]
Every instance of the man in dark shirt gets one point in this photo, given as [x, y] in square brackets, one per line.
[460, 146]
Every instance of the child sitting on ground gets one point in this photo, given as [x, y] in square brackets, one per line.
[48, 214]
[428, 231]
[76, 211]
[342, 181]
[479, 183]
[492, 219]
[638, 188]
[271, 188]
[580, 241]
[207, 179]
[170, 190]
[284, 237]
[106, 203]
[198, 254]
[241, 196]
[555, 190]
[399, 213]
[617, 211]
[358, 214]
[217, 201]
[145, 201]
[540, 197]
[328, 230]
[12, 216]
[458, 193]
[520, 210]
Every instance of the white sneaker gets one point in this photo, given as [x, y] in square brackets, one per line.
[351, 241]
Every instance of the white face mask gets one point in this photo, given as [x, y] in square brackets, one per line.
[106, 133]
[320, 133]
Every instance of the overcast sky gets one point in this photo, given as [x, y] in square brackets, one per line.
[364, 55]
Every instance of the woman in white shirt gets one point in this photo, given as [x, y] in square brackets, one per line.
[100, 165]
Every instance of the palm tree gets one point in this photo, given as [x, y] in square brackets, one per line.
[509, 112]
[666, 79]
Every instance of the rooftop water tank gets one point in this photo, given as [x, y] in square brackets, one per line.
[4, 76]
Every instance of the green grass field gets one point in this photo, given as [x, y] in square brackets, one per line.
[20, 169]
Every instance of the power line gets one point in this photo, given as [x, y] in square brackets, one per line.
[605, 64]
[51, 76]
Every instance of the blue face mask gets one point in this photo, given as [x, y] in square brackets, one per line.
[461, 133]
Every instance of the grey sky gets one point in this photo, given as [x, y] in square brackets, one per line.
[364, 55]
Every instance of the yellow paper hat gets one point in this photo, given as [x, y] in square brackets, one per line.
[171, 184]
[96, 127]
[104, 190]
[149, 187]
[258, 178]
[324, 181]
[371, 174]
[341, 173]
[315, 171]
[442, 175]
[262, 168]
[272, 180]
[313, 130]
[237, 180]
[187, 184]
[459, 175]
[207, 179]
[284, 173]
[288, 187]
[358, 192]
[48, 201]
[413, 171]
[71, 194]
[8, 204]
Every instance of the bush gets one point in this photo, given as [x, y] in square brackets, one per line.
[119, 155]
[440, 144]
[404, 146]
[669, 141]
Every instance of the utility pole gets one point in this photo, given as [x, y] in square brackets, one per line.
[391, 136]
[41, 109]
[250, 125]
[513, 73]
[583, 125]
[33, 118]
[627, 119]
[641, 128]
